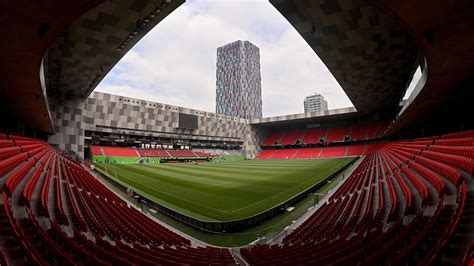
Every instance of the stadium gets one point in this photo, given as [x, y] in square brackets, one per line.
[93, 178]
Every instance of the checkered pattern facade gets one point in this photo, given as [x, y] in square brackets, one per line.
[85, 51]
[238, 86]
[371, 56]
[102, 112]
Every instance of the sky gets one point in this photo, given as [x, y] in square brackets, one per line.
[175, 63]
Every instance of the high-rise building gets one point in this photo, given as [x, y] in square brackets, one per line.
[238, 85]
[315, 103]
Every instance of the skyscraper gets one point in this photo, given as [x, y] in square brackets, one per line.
[238, 85]
[315, 103]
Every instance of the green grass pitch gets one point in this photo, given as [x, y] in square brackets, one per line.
[224, 191]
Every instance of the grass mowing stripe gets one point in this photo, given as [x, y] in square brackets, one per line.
[227, 190]
[298, 188]
[174, 200]
[196, 182]
[244, 176]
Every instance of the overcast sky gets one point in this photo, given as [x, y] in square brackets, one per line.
[175, 63]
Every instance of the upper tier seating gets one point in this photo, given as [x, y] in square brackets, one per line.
[77, 220]
[290, 137]
[308, 153]
[337, 133]
[313, 135]
[120, 151]
[272, 138]
[331, 134]
[375, 130]
[358, 132]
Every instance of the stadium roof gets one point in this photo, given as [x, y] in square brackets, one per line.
[370, 55]
[87, 49]
[79, 41]
[371, 47]
[311, 117]
[445, 35]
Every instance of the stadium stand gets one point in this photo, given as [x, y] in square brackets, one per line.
[336, 134]
[153, 152]
[96, 150]
[265, 154]
[385, 211]
[290, 137]
[333, 152]
[317, 152]
[368, 221]
[405, 202]
[120, 151]
[313, 135]
[182, 153]
[375, 130]
[272, 138]
[284, 153]
[358, 132]
[83, 206]
[330, 134]
[356, 150]
[308, 153]
[130, 155]
[204, 154]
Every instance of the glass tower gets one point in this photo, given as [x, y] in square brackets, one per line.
[238, 85]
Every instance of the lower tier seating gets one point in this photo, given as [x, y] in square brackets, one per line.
[53, 211]
[96, 150]
[120, 151]
[317, 152]
[153, 153]
[402, 204]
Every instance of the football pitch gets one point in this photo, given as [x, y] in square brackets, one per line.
[223, 191]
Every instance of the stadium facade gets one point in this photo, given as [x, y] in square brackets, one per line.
[408, 200]
[238, 84]
[76, 119]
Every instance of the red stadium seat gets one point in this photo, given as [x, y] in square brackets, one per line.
[313, 135]
[120, 151]
[272, 138]
[359, 132]
[290, 137]
[345, 227]
[154, 153]
[96, 150]
[284, 154]
[336, 134]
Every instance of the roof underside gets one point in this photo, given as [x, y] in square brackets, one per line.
[371, 56]
[85, 51]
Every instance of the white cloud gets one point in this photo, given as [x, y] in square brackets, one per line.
[175, 62]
